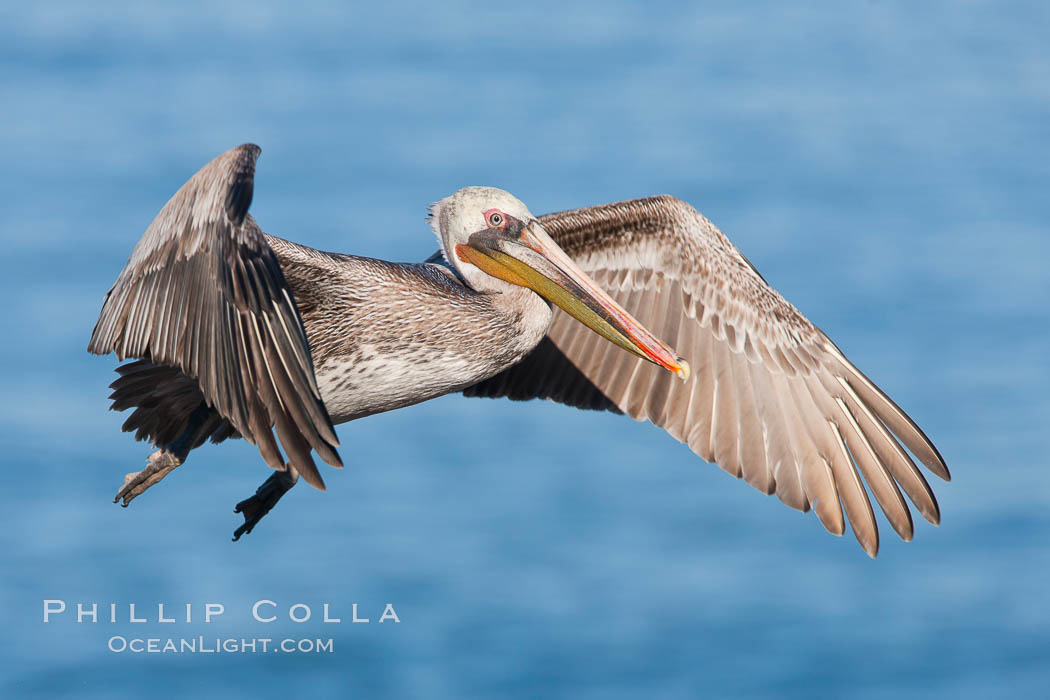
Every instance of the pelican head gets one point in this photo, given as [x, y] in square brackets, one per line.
[494, 240]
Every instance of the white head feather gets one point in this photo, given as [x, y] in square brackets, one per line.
[456, 217]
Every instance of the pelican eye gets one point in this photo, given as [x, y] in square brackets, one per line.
[495, 218]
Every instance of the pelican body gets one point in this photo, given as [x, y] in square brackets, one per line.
[387, 335]
[242, 334]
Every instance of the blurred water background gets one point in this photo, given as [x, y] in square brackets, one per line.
[884, 164]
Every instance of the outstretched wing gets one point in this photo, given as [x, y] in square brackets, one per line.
[203, 292]
[771, 398]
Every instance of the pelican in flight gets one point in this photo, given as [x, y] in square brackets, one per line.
[640, 307]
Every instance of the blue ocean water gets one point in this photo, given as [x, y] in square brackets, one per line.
[884, 164]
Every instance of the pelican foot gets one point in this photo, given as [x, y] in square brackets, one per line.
[266, 496]
[158, 465]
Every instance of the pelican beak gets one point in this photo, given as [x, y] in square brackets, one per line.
[525, 255]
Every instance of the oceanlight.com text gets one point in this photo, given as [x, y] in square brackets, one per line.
[119, 644]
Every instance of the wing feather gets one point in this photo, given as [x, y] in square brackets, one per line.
[203, 292]
[751, 443]
[771, 399]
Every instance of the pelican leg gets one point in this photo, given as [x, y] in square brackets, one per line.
[200, 424]
[266, 496]
[158, 465]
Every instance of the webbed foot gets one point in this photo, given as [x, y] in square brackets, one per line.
[266, 496]
[158, 465]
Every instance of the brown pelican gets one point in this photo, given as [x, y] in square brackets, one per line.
[241, 334]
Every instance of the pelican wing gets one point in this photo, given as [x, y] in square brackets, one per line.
[204, 293]
[771, 398]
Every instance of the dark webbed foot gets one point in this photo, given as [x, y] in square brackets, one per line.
[158, 465]
[266, 496]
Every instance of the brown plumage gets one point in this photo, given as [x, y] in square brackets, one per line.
[772, 399]
[204, 293]
[241, 334]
